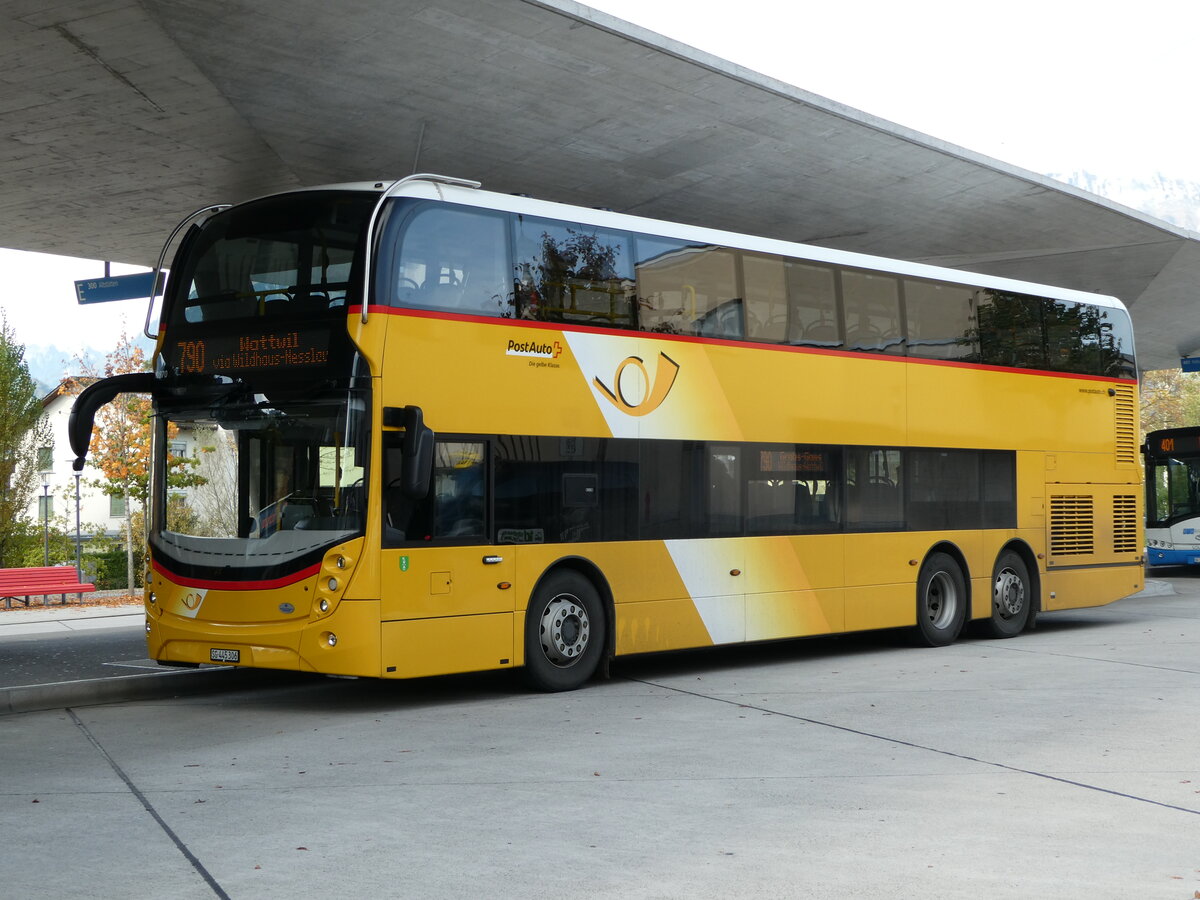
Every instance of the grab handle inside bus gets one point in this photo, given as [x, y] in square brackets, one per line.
[83, 411]
[416, 466]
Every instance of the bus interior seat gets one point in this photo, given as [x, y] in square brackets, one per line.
[296, 511]
[441, 295]
[821, 331]
[864, 336]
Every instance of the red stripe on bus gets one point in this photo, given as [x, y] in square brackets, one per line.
[722, 342]
[215, 585]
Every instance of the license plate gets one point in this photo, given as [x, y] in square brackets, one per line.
[219, 654]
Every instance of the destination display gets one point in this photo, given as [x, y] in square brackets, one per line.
[257, 351]
[1182, 444]
[792, 461]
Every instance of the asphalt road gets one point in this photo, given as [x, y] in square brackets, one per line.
[43, 657]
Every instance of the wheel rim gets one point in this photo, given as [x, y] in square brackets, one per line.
[941, 600]
[564, 630]
[1008, 594]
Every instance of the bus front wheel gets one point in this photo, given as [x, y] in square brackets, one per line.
[1011, 597]
[564, 632]
[941, 601]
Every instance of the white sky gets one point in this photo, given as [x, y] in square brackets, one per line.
[37, 300]
[1050, 86]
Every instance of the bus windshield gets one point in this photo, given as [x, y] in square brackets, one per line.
[259, 482]
[1174, 492]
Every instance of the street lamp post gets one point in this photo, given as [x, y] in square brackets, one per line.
[46, 515]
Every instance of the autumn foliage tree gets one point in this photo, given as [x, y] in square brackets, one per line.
[1170, 399]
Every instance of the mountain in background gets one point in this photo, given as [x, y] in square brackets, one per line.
[1173, 200]
[49, 365]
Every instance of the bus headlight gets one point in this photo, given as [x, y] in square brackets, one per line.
[333, 585]
[331, 639]
[324, 605]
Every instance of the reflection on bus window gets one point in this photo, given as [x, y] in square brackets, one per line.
[941, 321]
[1010, 331]
[766, 302]
[454, 260]
[685, 289]
[573, 273]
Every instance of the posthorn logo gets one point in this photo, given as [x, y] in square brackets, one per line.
[636, 394]
[193, 599]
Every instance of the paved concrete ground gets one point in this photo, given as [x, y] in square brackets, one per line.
[1062, 763]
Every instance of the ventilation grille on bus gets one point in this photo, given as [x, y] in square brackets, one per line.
[1125, 524]
[1126, 423]
[1072, 522]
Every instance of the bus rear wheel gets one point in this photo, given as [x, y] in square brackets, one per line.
[941, 601]
[1011, 597]
[564, 632]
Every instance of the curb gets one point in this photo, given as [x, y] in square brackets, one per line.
[94, 691]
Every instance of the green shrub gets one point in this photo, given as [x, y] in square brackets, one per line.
[107, 568]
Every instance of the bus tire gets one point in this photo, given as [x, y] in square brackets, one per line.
[1012, 597]
[564, 632]
[941, 601]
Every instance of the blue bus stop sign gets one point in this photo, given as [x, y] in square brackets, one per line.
[117, 287]
[1190, 364]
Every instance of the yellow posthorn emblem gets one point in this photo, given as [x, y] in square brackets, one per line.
[654, 392]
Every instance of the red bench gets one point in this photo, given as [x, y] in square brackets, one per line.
[21, 584]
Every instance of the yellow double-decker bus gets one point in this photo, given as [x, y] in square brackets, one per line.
[446, 430]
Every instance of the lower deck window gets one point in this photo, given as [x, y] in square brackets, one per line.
[512, 489]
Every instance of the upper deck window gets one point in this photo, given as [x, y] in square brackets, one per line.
[872, 311]
[942, 323]
[298, 255]
[815, 320]
[688, 289]
[570, 272]
[286, 256]
[455, 260]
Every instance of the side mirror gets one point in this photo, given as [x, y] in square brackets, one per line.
[416, 466]
[83, 411]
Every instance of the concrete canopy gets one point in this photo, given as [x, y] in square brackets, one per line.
[119, 117]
